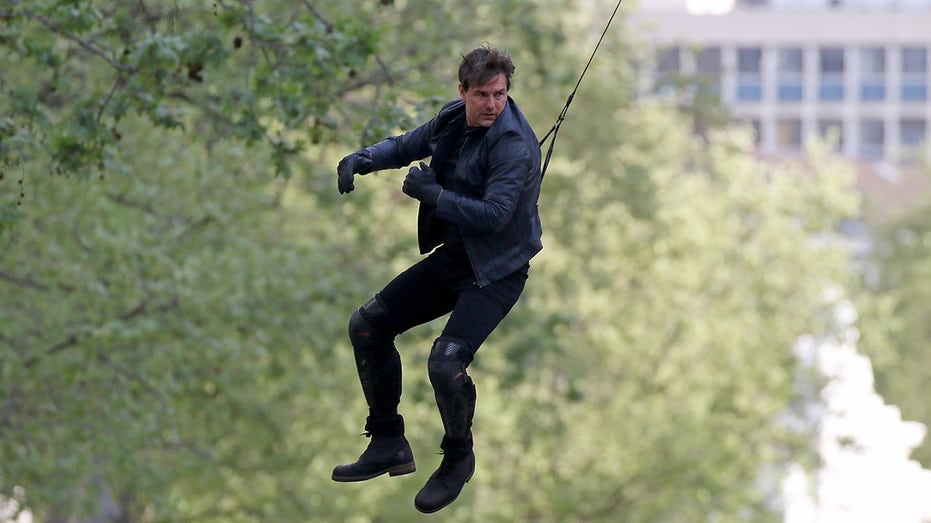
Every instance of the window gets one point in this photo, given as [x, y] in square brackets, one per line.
[913, 133]
[831, 60]
[667, 60]
[832, 131]
[708, 67]
[873, 74]
[872, 139]
[831, 74]
[790, 73]
[789, 135]
[914, 74]
[749, 74]
[668, 67]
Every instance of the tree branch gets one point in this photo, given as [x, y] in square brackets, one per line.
[319, 16]
[30, 283]
[86, 44]
[73, 338]
[120, 82]
[144, 207]
[384, 67]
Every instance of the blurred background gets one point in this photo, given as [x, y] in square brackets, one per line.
[728, 322]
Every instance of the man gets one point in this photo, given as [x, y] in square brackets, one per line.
[478, 221]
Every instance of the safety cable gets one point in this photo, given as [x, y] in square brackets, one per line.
[562, 115]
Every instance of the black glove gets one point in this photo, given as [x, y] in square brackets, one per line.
[359, 162]
[420, 183]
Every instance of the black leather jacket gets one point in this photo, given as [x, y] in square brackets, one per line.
[492, 194]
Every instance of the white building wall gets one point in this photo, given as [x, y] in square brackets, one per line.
[811, 30]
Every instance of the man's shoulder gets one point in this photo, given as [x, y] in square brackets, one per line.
[452, 105]
[449, 112]
[511, 120]
[451, 108]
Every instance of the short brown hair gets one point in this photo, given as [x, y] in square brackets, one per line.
[482, 64]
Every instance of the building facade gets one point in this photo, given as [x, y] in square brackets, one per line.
[859, 75]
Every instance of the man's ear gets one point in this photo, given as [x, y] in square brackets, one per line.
[462, 92]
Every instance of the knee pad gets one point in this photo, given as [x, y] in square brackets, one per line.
[363, 331]
[447, 366]
[452, 387]
[377, 361]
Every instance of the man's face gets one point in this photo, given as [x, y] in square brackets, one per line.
[483, 103]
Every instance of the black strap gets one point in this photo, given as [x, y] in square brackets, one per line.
[562, 115]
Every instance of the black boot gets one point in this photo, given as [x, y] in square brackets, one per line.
[455, 398]
[446, 483]
[388, 452]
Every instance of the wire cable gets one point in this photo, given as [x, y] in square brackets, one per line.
[562, 115]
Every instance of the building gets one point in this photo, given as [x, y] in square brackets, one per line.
[855, 72]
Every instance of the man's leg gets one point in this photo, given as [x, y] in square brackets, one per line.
[413, 297]
[476, 314]
[379, 366]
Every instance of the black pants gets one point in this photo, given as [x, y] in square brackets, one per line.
[440, 284]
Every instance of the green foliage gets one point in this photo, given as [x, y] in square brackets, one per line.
[674, 317]
[252, 70]
[903, 246]
[286, 75]
[130, 302]
[172, 333]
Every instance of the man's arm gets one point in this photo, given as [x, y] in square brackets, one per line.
[508, 168]
[397, 151]
[390, 153]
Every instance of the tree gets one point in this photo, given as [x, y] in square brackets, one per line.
[174, 344]
[247, 70]
[287, 75]
[672, 312]
[903, 245]
[133, 303]
[173, 324]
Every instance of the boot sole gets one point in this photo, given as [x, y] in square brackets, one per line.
[397, 470]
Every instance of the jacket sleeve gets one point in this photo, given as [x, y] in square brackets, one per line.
[509, 165]
[397, 151]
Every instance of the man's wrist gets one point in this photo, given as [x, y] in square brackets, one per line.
[430, 194]
[365, 163]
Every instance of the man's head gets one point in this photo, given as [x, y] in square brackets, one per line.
[484, 81]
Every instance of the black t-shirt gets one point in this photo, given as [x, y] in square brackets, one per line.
[453, 251]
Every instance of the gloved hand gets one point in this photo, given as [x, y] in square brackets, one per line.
[420, 183]
[358, 162]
